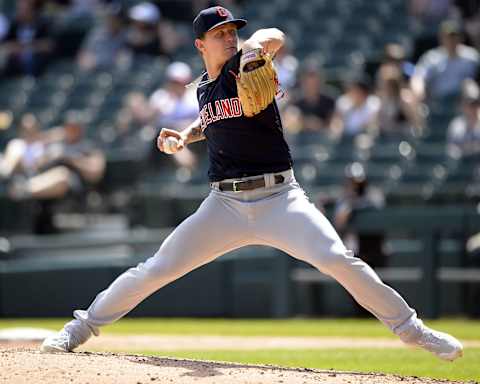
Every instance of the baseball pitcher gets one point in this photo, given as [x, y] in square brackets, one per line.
[254, 197]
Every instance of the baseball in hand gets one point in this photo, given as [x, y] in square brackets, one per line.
[170, 145]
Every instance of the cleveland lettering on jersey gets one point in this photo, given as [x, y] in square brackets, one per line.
[219, 110]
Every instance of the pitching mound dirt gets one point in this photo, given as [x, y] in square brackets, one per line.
[29, 366]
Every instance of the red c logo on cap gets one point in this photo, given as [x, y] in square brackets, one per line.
[222, 12]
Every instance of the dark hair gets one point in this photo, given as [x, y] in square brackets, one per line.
[363, 82]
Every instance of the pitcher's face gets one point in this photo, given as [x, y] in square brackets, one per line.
[220, 44]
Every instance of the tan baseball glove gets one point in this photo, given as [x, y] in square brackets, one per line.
[256, 82]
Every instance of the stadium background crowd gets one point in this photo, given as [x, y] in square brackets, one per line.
[378, 94]
[380, 105]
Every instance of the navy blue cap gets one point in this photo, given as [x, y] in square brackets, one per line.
[213, 17]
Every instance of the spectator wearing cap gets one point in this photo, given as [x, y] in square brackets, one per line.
[440, 72]
[356, 110]
[148, 33]
[28, 44]
[464, 130]
[105, 44]
[174, 105]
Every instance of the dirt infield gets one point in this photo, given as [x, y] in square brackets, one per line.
[29, 366]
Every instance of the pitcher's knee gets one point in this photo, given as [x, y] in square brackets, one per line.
[336, 260]
[164, 268]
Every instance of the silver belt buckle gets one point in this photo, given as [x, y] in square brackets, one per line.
[234, 186]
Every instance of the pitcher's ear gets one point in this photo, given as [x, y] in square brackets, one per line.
[199, 44]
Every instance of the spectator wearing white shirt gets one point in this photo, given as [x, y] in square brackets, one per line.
[440, 72]
[356, 110]
[464, 130]
[174, 105]
[23, 152]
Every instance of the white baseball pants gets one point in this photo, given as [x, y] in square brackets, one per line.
[280, 216]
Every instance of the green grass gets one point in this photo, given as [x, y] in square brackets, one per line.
[405, 362]
[461, 328]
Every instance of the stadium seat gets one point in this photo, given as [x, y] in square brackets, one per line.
[387, 154]
[431, 154]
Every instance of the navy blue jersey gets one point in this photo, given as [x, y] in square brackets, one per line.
[239, 146]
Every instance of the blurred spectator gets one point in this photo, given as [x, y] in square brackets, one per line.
[464, 130]
[83, 7]
[312, 108]
[400, 114]
[72, 8]
[72, 21]
[286, 65]
[28, 44]
[470, 12]
[440, 71]
[137, 110]
[67, 166]
[148, 34]
[356, 110]
[23, 153]
[394, 55]
[174, 105]
[427, 12]
[357, 196]
[132, 130]
[4, 25]
[106, 43]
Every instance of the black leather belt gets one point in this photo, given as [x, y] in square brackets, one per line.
[247, 185]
